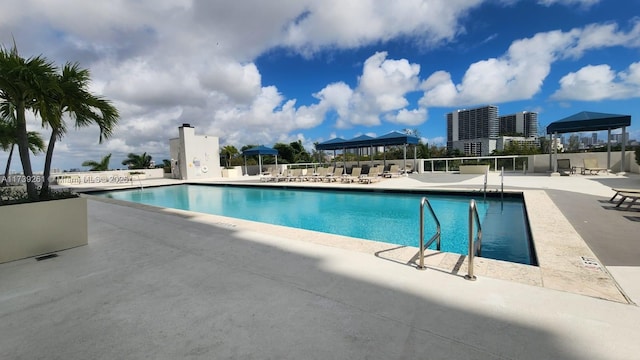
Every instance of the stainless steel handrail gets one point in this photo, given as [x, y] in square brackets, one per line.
[435, 237]
[502, 183]
[474, 246]
[486, 177]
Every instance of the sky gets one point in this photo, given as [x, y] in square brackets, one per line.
[262, 72]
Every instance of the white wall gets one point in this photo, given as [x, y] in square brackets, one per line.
[197, 155]
[540, 162]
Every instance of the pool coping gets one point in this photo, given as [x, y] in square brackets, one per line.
[565, 261]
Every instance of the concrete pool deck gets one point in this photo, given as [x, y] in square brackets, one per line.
[170, 284]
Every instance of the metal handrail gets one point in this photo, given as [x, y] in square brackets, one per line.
[486, 177]
[474, 246]
[502, 183]
[435, 237]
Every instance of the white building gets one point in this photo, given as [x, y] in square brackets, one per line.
[194, 157]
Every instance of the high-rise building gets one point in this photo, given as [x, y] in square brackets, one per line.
[469, 130]
[479, 131]
[523, 124]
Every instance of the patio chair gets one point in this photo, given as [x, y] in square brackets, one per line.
[320, 173]
[564, 167]
[331, 177]
[370, 177]
[591, 165]
[294, 175]
[634, 196]
[355, 175]
[283, 176]
[394, 170]
[621, 190]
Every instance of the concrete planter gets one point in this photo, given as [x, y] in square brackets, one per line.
[232, 173]
[473, 169]
[42, 227]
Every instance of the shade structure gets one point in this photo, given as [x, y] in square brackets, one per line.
[395, 138]
[259, 150]
[392, 138]
[590, 121]
[333, 144]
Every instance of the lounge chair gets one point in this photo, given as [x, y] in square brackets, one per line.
[591, 165]
[621, 190]
[268, 174]
[355, 175]
[337, 173]
[320, 173]
[564, 167]
[634, 196]
[394, 171]
[294, 175]
[370, 177]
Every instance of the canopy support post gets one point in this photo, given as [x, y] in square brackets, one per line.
[623, 167]
[608, 149]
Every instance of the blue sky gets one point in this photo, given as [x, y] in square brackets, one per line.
[255, 72]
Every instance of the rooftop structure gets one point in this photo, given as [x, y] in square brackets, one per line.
[194, 156]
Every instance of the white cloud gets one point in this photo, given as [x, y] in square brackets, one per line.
[582, 3]
[409, 117]
[381, 92]
[241, 83]
[348, 24]
[600, 82]
[521, 71]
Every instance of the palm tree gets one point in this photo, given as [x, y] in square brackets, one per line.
[229, 151]
[73, 99]
[8, 137]
[102, 165]
[26, 84]
[135, 161]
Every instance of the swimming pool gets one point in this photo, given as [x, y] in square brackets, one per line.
[386, 216]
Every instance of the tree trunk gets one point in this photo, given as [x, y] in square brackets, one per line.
[44, 192]
[22, 141]
[6, 170]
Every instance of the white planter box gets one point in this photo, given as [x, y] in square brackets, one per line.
[473, 169]
[42, 227]
[232, 173]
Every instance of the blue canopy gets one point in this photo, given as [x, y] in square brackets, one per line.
[394, 138]
[333, 144]
[260, 150]
[363, 141]
[589, 121]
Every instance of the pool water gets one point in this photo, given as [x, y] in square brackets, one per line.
[389, 217]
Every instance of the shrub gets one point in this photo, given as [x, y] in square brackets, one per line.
[18, 195]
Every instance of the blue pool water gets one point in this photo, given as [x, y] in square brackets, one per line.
[390, 217]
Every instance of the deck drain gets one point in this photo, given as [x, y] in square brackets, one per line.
[45, 257]
[590, 263]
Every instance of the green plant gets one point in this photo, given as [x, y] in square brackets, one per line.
[19, 195]
[135, 161]
[637, 153]
[102, 165]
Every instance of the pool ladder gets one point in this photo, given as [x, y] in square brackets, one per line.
[486, 176]
[435, 237]
[475, 243]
